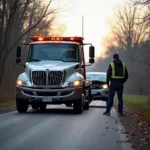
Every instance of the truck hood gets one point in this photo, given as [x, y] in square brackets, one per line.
[52, 65]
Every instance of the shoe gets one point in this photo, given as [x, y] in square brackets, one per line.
[120, 114]
[106, 113]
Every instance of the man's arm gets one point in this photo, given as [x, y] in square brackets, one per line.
[126, 75]
[109, 71]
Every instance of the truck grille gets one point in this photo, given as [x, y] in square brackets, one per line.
[39, 77]
[53, 78]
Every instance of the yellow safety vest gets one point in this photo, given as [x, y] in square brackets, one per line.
[113, 72]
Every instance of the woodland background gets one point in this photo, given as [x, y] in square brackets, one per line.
[129, 36]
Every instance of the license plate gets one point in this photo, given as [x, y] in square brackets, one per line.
[47, 99]
[94, 92]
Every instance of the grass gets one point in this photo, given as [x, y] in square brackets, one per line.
[139, 102]
[7, 104]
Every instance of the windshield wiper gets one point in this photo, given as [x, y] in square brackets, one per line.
[35, 60]
[57, 59]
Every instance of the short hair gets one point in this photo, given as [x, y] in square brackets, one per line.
[116, 56]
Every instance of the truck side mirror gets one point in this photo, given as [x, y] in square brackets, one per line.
[91, 54]
[18, 53]
[91, 60]
[18, 60]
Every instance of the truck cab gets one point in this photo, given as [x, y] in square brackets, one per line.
[54, 74]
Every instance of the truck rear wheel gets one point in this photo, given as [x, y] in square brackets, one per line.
[89, 95]
[86, 106]
[78, 106]
[88, 100]
[21, 105]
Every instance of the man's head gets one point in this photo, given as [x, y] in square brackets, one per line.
[116, 56]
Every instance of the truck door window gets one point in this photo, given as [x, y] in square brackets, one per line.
[81, 55]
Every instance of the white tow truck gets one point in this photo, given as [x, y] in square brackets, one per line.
[54, 74]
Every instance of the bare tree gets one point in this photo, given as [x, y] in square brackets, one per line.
[16, 21]
[44, 27]
[144, 4]
[127, 33]
[141, 2]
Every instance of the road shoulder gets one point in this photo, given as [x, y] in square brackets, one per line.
[7, 106]
[137, 127]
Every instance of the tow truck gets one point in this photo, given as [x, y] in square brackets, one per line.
[55, 73]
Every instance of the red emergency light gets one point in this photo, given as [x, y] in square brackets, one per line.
[74, 39]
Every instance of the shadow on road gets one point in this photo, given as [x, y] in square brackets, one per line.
[52, 111]
[97, 106]
[60, 111]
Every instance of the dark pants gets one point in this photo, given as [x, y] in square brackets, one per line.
[115, 87]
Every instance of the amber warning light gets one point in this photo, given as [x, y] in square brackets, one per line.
[75, 39]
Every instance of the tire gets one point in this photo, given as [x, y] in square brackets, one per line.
[89, 95]
[34, 106]
[43, 107]
[86, 106]
[89, 98]
[78, 106]
[21, 105]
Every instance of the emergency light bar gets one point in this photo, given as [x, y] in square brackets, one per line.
[74, 39]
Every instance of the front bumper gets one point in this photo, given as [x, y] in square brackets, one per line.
[99, 94]
[61, 94]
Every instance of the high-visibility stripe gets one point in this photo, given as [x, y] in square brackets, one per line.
[113, 71]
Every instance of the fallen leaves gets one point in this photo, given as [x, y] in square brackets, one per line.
[125, 132]
[137, 128]
[133, 146]
[133, 134]
[125, 141]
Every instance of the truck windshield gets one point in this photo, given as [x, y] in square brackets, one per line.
[62, 52]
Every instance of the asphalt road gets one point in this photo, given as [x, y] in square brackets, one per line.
[60, 129]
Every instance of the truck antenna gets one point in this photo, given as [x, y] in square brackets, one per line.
[82, 25]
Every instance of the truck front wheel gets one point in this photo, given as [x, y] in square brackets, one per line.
[21, 105]
[78, 106]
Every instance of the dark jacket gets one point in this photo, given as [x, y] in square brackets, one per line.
[118, 72]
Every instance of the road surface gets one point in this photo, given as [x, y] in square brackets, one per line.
[60, 129]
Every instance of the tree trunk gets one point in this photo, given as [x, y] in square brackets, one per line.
[2, 68]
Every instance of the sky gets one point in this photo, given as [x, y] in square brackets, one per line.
[96, 13]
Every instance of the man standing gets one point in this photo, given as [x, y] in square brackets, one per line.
[117, 74]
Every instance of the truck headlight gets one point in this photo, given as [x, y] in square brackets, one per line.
[74, 83]
[21, 83]
[104, 86]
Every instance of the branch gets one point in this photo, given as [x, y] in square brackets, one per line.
[9, 25]
[143, 61]
[147, 63]
[43, 16]
[21, 4]
[25, 7]
[2, 22]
